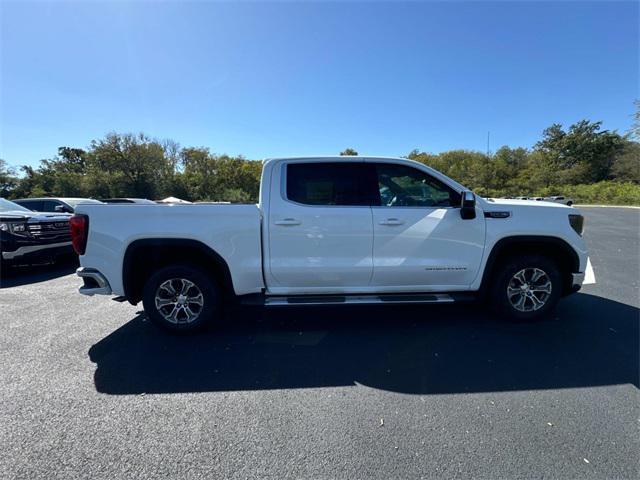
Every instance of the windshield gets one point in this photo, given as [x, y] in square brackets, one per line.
[74, 202]
[7, 206]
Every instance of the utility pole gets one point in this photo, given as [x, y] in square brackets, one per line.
[488, 139]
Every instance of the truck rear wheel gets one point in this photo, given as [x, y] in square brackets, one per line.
[526, 288]
[181, 298]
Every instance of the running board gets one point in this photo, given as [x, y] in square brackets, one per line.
[294, 300]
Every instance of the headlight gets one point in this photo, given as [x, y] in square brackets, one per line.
[15, 228]
[577, 223]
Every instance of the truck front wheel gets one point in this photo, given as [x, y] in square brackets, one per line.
[181, 298]
[526, 288]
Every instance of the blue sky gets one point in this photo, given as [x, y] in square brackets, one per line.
[277, 79]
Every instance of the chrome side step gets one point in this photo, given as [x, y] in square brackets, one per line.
[277, 301]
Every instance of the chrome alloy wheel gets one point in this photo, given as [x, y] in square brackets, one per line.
[529, 289]
[179, 301]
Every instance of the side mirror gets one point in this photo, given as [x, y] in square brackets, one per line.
[58, 208]
[468, 205]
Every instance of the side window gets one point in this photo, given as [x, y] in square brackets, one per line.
[328, 183]
[50, 205]
[35, 205]
[403, 186]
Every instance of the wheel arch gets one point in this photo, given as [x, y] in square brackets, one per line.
[144, 256]
[556, 248]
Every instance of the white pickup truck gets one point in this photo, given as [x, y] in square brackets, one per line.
[333, 230]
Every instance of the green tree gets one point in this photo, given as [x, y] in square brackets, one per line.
[136, 164]
[8, 180]
[626, 166]
[348, 151]
[29, 184]
[634, 132]
[582, 154]
[540, 171]
[505, 166]
[221, 177]
[69, 160]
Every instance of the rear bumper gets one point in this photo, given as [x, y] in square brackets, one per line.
[95, 283]
[576, 281]
[46, 251]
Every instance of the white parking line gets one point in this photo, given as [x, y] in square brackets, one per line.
[589, 275]
[606, 206]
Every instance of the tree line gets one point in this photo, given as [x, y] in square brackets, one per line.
[584, 161]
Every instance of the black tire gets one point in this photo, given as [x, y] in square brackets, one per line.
[5, 265]
[177, 278]
[504, 282]
[569, 204]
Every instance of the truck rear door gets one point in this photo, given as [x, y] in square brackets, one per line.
[319, 227]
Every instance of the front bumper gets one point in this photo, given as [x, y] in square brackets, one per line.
[94, 282]
[46, 251]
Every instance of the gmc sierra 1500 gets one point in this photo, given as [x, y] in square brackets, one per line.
[331, 230]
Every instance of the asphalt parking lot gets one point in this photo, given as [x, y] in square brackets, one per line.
[89, 389]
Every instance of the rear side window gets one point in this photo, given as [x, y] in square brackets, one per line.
[35, 205]
[326, 183]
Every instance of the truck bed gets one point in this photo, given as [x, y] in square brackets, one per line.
[233, 231]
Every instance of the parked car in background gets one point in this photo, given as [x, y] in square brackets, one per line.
[128, 200]
[560, 199]
[32, 237]
[55, 205]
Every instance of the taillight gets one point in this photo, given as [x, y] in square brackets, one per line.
[79, 225]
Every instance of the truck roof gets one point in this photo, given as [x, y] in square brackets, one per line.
[332, 157]
[451, 182]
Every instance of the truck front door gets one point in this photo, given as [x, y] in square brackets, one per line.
[421, 243]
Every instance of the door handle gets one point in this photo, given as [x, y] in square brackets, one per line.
[287, 222]
[391, 221]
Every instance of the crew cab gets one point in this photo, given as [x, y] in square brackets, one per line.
[333, 230]
[32, 237]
